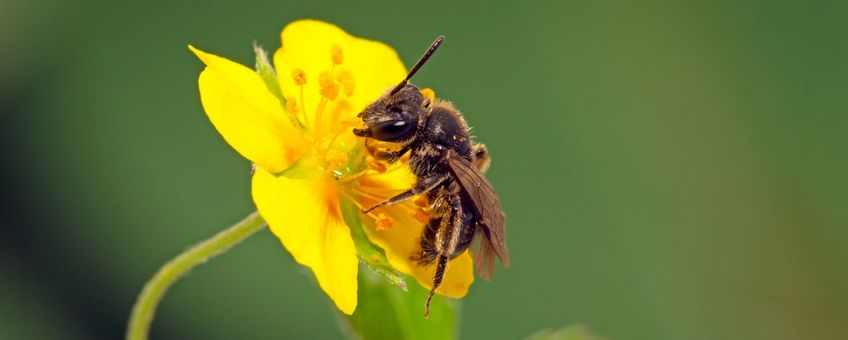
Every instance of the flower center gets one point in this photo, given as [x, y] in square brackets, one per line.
[328, 122]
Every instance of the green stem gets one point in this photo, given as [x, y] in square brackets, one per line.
[145, 306]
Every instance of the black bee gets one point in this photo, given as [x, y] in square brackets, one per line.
[449, 168]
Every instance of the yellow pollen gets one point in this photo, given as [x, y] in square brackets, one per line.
[421, 201]
[329, 88]
[336, 159]
[291, 106]
[337, 54]
[421, 215]
[375, 165]
[429, 93]
[384, 222]
[299, 76]
[375, 258]
[348, 82]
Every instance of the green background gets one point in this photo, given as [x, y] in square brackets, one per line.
[671, 170]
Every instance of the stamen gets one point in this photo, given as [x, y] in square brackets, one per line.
[337, 159]
[421, 215]
[337, 54]
[348, 82]
[299, 76]
[384, 222]
[329, 91]
[291, 106]
[352, 177]
[342, 126]
[329, 88]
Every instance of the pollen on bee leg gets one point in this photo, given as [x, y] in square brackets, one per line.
[337, 54]
[429, 93]
[383, 222]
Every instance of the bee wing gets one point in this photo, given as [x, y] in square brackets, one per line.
[484, 254]
[490, 216]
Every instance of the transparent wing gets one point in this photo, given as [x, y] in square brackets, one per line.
[484, 254]
[488, 208]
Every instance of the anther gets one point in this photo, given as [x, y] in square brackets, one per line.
[421, 215]
[348, 82]
[329, 88]
[337, 54]
[299, 76]
[291, 106]
[384, 222]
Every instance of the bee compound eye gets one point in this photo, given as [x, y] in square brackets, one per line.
[392, 130]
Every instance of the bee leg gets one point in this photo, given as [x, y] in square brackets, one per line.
[383, 155]
[446, 240]
[424, 185]
[388, 156]
[437, 280]
[481, 157]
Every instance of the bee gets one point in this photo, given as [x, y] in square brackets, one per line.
[449, 169]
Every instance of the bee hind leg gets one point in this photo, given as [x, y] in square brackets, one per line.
[446, 240]
[424, 185]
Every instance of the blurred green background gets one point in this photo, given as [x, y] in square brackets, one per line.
[671, 170]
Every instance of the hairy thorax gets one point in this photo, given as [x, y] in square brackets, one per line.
[444, 128]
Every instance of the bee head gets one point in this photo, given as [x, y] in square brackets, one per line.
[395, 116]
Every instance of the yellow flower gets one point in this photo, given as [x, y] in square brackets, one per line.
[307, 160]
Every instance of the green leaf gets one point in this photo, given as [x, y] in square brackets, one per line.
[386, 312]
[267, 73]
[269, 76]
[368, 253]
[573, 332]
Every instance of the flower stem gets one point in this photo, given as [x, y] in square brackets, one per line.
[154, 290]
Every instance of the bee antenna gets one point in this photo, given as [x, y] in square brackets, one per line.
[437, 281]
[429, 53]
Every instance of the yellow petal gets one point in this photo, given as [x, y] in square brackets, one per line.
[310, 45]
[402, 240]
[246, 114]
[304, 215]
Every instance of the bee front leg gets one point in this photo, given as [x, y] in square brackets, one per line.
[384, 155]
[388, 156]
[424, 185]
